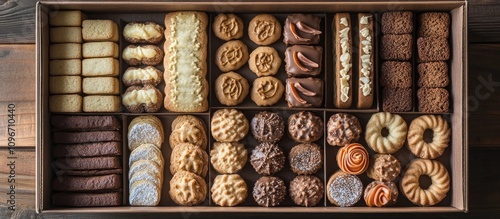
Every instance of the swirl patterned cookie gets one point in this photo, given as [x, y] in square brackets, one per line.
[231, 88]
[353, 158]
[264, 61]
[231, 55]
[267, 91]
[227, 27]
[264, 29]
[381, 194]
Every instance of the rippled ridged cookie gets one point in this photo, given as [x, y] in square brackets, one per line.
[229, 125]
[383, 167]
[305, 159]
[227, 27]
[229, 190]
[395, 138]
[188, 129]
[306, 190]
[267, 91]
[269, 191]
[146, 152]
[144, 193]
[440, 182]
[231, 88]
[187, 189]
[145, 130]
[187, 157]
[305, 127]
[381, 194]
[440, 136]
[267, 127]
[231, 55]
[228, 157]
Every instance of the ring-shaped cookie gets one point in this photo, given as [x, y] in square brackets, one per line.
[395, 138]
[440, 138]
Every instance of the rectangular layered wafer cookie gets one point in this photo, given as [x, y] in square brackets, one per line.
[112, 148]
[87, 199]
[185, 62]
[343, 61]
[365, 63]
[88, 163]
[88, 123]
[87, 183]
[88, 172]
[86, 137]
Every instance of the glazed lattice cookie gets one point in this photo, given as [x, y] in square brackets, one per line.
[229, 190]
[228, 157]
[187, 188]
[188, 157]
[188, 129]
[229, 125]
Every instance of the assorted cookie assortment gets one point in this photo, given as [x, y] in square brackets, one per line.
[275, 151]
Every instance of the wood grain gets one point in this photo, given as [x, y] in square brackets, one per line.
[24, 172]
[17, 19]
[484, 21]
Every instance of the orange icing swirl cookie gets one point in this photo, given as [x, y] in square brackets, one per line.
[380, 194]
[353, 159]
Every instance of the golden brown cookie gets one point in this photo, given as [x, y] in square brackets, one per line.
[267, 91]
[187, 157]
[229, 125]
[228, 157]
[227, 27]
[231, 55]
[188, 129]
[145, 130]
[264, 61]
[229, 190]
[264, 29]
[231, 88]
[187, 188]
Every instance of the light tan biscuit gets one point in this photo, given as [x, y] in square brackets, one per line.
[147, 175]
[231, 88]
[142, 76]
[187, 188]
[187, 157]
[142, 55]
[139, 99]
[101, 103]
[101, 85]
[144, 193]
[228, 157]
[143, 32]
[231, 55]
[100, 67]
[146, 152]
[149, 165]
[229, 125]
[65, 51]
[188, 129]
[264, 61]
[65, 84]
[264, 29]
[66, 35]
[100, 50]
[229, 190]
[145, 130]
[99, 30]
[66, 18]
[227, 27]
[267, 91]
[65, 67]
[65, 103]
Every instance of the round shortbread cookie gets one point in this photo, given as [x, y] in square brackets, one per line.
[146, 175]
[187, 188]
[188, 129]
[146, 152]
[188, 157]
[264, 29]
[228, 157]
[144, 130]
[229, 125]
[229, 190]
[227, 26]
[146, 165]
[144, 193]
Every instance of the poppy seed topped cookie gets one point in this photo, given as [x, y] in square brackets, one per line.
[434, 24]
[433, 100]
[397, 47]
[396, 74]
[433, 74]
[397, 22]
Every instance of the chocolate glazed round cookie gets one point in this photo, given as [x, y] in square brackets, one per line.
[267, 127]
[305, 127]
[306, 190]
[343, 129]
[269, 191]
[267, 158]
[305, 159]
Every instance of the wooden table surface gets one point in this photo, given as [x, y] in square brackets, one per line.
[17, 86]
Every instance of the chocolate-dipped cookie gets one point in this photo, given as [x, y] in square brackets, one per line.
[305, 127]
[304, 92]
[267, 127]
[302, 29]
[306, 190]
[303, 61]
[267, 158]
[269, 191]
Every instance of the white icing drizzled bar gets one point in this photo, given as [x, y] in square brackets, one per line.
[365, 58]
[345, 60]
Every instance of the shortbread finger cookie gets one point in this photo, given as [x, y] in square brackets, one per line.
[187, 157]
[228, 157]
[66, 18]
[185, 62]
[99, 30]
[231, 88]
[188, 129]
[229, 125]
[142, 55]
[146, 152]
[229, 190]
[365, 62]
[227, 27]
[139, 99]
[264, 29]
[231, 55]
[145, 130]
[143, 32]
[187, 189]
[144, 193]
[343, 61]
[142, 76]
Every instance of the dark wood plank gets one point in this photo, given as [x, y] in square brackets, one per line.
[17, 21]
[484, 21]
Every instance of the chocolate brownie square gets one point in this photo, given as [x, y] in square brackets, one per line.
[433, 49]
[396, 74]
[397, 47]
[396, 99]
[433, 74]
[302, 29]
[303, 61]
[434, 24]
[304, 92]
[433, 100]
[398, 22]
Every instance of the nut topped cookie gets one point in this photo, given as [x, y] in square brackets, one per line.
[343, 129]
[227, 27]
[267, 91]
[231, 55]
[264, 61]
[305, 127]
[229, 125]
[264, 29]
[302, 29]
[231, 88]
